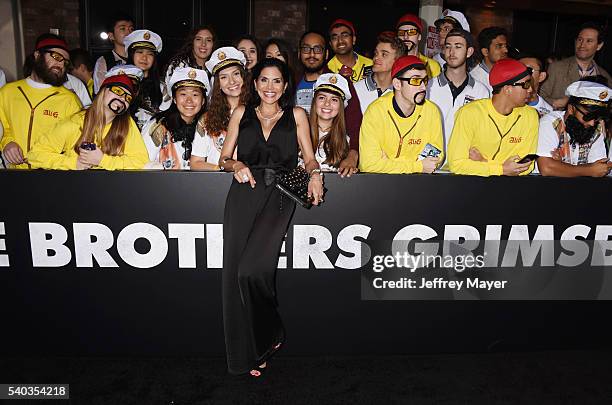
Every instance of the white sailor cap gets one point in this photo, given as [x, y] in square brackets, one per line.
[454, 17]
[132, 71]
[589, 94]
[143, 39]
[189, 77]
[224, 57]
[334, 83]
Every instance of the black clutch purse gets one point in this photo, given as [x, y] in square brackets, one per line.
[294, 184]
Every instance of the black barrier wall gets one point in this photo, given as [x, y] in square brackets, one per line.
[81, 279]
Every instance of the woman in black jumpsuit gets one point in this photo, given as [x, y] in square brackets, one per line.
[268, 134]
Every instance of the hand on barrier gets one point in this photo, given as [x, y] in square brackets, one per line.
[430, 164]
[243, 174]
[600, 168]
[348, 166]
[91, 157]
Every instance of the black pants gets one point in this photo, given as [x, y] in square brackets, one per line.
[253, 230]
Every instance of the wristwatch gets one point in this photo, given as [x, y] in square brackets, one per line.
[313, 171]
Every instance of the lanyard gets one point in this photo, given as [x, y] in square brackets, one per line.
[502, 136]
[399, 133]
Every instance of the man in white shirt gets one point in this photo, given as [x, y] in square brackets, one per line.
[379, 82]
[538, 75]
[493, 44]
[119, 27]
[448, 21]
[455, 87]
[571, 142]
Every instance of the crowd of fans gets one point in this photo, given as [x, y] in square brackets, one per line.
[477, 107]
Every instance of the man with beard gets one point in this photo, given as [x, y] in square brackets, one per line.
[571, 142]
[401, 132]
[448, 21]
[31, 107]
[409, 30]
[493, 43]
[455, 87]
[312, 53]
[492, 135]
[562, 73]
[346, 61]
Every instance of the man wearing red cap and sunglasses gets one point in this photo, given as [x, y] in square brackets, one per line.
[32, 106]
[346, 61]
[409, 30]
[498, 135]
[401, 131]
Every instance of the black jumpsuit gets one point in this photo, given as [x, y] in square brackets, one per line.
[254, 225]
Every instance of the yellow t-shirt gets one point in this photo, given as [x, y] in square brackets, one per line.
[52, 104]
[497, 137]
[359, 69]
[55, 149]
[90, 88]
[431, 65]
[379, 140]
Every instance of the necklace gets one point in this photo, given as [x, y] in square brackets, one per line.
[268, 118]
[321, 129]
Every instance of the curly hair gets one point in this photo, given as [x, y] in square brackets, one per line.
[218, 115]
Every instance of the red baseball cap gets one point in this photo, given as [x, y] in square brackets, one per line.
[346, 23]
[410, 19]
[121, 80]
[405, 63]
[47, 43]
[507, 71]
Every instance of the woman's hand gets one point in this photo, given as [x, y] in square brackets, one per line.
[80, 165]
[315, 188]
[243, 174]
[91, 157]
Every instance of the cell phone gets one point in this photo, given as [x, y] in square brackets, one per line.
[529, 158]
[88, 146]
[429, 151]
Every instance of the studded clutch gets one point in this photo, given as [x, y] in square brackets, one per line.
[294, 184]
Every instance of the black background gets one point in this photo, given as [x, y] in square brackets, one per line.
[171, 311]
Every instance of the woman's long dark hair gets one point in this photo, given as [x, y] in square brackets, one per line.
[149, 87]
[287, 99]
[185, 54]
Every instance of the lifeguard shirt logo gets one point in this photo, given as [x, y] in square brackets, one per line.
[413, 141]
[516, 139]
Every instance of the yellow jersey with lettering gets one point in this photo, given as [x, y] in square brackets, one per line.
[27, 112]
[362, 66]
[390, 143]
[55, 149]
[497, 137]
